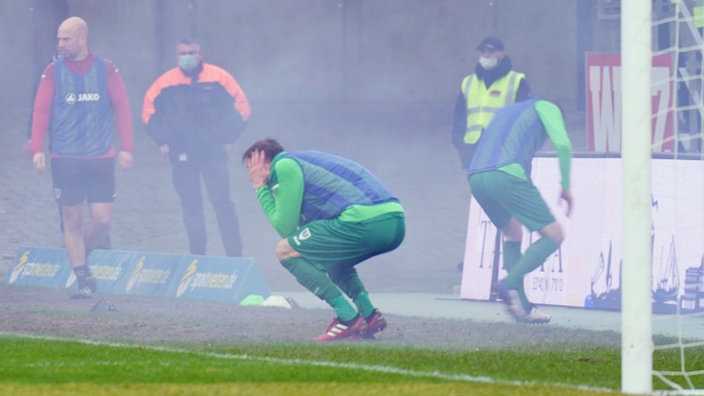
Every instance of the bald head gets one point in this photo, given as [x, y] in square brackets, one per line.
[72, 39]
[74, 24]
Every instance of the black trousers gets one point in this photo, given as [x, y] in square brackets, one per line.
[187, 174]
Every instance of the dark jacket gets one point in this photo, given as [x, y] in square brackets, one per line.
[195, 113]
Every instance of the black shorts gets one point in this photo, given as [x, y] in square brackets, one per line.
[77, 180]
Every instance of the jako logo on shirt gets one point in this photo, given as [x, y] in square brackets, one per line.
[82, 97]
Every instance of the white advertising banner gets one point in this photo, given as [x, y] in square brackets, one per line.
[585, 271]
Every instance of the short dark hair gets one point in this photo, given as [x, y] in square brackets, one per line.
[269, 146]
[188, 41]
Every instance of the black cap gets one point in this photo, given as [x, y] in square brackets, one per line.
[490, 44]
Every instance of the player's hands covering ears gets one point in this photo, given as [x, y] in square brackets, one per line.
[258, 167]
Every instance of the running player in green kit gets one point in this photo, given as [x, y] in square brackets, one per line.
[333, 214]
[499, 176]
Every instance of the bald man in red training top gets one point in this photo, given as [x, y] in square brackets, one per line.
[79, 100]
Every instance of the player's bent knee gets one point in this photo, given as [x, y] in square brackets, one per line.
[553, 231]
[513, 231]
[284, 250]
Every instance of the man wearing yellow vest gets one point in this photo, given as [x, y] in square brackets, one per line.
[492, 86]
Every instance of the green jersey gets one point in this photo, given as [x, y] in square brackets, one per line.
[309, 185]
[516, 133]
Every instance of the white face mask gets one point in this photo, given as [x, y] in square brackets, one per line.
[187, 62]
[488, 63]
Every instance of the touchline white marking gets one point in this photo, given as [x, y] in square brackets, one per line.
[317, 363]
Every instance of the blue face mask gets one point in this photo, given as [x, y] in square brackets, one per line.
[187, 62]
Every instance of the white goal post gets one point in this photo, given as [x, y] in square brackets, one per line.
[636, 316]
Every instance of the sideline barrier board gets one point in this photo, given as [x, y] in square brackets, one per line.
[45, 267]
[225, 279]
[212, 278]
[586, 270]
[110, 268]
[150, 275]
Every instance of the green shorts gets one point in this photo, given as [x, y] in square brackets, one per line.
[503, 196]
[333, 242]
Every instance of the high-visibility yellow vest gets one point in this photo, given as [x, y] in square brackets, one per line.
[483, 102]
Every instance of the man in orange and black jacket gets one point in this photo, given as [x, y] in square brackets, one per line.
[195, 112]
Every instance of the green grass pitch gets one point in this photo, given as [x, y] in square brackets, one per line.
[49, 366]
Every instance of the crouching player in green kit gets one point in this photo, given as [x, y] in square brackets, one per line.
[333, 214]
[499, 176]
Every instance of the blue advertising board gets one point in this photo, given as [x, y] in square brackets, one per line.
[226, 279]
[216, 278]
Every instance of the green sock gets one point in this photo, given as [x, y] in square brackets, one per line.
[317, 281]
[343, 309]
[347, 279]
[364, 304]
[512, 253]
[535, 255]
